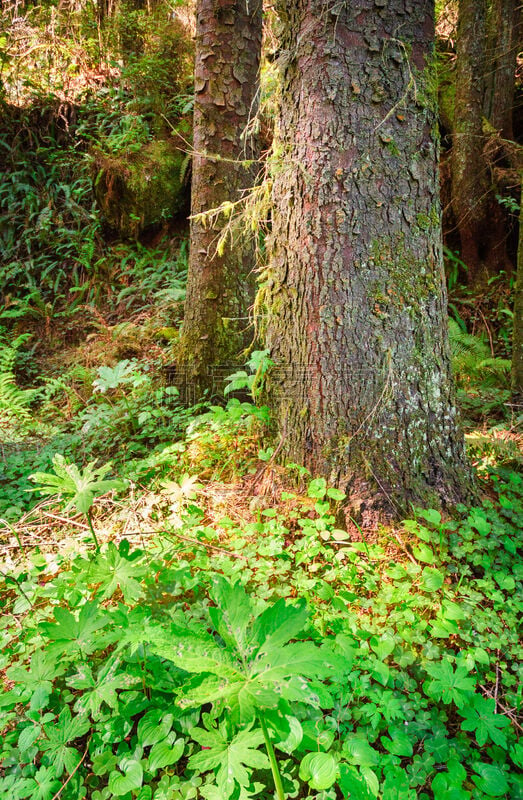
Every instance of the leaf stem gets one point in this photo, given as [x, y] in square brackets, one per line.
[278, 785]
[91, 528]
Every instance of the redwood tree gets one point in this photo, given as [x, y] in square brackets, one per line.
[502, 48]
[517, 342]
[356, 294]
[221, 283]
[479, 219]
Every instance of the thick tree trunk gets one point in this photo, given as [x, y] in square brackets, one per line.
[221, 284]
[356, 296]
[502, 50]
[517, 344]
[479, 219]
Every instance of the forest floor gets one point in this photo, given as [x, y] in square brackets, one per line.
[176, 601]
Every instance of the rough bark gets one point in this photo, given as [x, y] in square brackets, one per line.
[517, 344]
[356, 295]
[502, 50]
[220, 286]
[479, 219]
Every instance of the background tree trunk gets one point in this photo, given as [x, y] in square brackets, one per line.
[220, 286]
[479, 219]
[517, 344]
[502, 49]
[356, 296]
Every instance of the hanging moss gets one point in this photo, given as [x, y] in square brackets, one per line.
[140, 189]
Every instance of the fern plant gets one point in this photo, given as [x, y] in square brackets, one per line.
[473, 363]
[15, 402]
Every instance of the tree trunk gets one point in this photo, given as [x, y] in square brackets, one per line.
[517, 343]
[356, 295]
[479, 219]
[221, 284]
[502, 50]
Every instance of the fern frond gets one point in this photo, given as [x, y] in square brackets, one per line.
[472, 361]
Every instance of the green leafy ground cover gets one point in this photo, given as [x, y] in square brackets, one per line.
[263, 652]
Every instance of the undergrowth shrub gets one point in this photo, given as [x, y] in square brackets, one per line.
[274, 656]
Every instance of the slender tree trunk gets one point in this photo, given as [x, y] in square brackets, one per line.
[356, 295]
[517, 344]
[502, 50]
[221, 284]
[479, 219]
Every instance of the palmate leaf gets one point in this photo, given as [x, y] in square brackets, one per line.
[232, 614]
[278, 624]
[113, 571]
[103, 689]
[40, 675]
[58, 734]
[481, 717]
[229, 758]
[193, 652]
[70, 634]
[254, 666]
[44, 784]
[448, 685]
[79, 488]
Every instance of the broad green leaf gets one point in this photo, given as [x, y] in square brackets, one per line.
[104, 762]
[432, 579]
[371, 779]
[154, 727]
[193, 652]
[490, 779]
[46, 784]
[316, 736]
[319, 770]
[164, 754]
[430, 515]
[336, 494]
[206, 688]
[354, 785]
[423, 553]
[359, 752]
[380, 672]
[317, 488]
[396, 786]
[443, 628]
[293, 740]
[454, 611]
[383, 646]
[399, 744]
[103, 689]
[131, 779]
[297, 658]
[516, 754]
[40, 674]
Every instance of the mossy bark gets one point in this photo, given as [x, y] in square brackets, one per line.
[220, 286]
[479, 219]
[517, 344]
[140, 189]
[356, 299]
